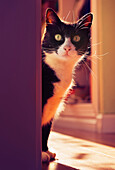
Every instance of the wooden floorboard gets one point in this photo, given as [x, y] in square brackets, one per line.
[81, 150]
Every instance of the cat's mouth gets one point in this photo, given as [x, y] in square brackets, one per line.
[68, 55]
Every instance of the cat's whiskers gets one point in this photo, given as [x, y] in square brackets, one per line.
[89, 58]
[67, 15]
[63, 18]
[84, 67]
[95, 44]
[95, 55]
[87, 75]
[77, 24]
[99, 56]
[92, 73]
[73, 19]
[48, 49]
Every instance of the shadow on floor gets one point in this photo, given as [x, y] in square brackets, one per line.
[56, 166]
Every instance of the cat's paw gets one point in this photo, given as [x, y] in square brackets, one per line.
[52, 155]
[45, 157]
[48, 156]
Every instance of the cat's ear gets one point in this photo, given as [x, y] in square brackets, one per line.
[51, 17]
[85, 21]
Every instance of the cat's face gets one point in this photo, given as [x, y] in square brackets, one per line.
[66, 41]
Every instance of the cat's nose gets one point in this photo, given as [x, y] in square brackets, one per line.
[67, 48]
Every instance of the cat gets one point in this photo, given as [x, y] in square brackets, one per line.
[63, 46]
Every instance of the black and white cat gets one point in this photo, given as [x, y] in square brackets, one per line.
[63, 46]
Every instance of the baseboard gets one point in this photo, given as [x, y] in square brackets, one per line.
[106, 123]
[81, 109]
[75, 123]
[101, 124]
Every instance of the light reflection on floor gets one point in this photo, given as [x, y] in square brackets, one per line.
[80, 154]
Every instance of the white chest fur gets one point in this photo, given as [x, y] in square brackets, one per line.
[63, 70]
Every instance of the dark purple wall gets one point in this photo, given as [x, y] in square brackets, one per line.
[19, 75]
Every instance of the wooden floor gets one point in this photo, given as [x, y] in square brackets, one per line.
[81, 150]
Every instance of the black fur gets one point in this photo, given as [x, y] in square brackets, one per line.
[48, 78]
[45, 134]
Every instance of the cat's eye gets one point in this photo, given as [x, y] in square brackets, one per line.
[58, 37]
[76, 38]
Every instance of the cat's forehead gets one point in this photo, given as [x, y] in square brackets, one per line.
[69, 27]
[65, 29]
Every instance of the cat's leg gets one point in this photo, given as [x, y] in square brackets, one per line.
[46, 155]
